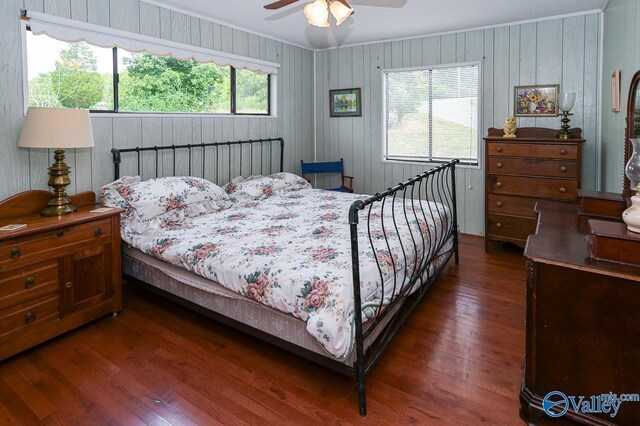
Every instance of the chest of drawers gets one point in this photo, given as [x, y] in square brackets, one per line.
[55, 273]
[520, 171]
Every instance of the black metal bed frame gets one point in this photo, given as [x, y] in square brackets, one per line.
[415, 194]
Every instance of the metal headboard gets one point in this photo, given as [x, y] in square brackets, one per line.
[201, 148]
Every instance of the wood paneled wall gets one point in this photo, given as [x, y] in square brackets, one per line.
[621, 42]
[561, 51]
[22, 169]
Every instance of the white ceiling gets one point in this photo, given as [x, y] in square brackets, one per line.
[377, 20]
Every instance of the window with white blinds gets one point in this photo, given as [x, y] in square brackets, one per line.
[431, 114]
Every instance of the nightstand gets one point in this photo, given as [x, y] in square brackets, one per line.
[56, 273]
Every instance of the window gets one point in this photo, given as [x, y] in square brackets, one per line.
[431, 114]
[104, 79]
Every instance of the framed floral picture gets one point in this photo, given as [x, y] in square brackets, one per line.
[345, 103]
[536, 101]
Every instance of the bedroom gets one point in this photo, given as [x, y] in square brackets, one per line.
[458, 358]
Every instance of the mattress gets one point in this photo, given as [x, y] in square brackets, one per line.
[216, 298]
[292, 252]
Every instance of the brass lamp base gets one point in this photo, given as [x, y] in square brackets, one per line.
[58, 180]
[565, 133]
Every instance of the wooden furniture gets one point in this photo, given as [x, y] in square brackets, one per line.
[582, 321]
[328, 167]
[521, 171]
[56, 273]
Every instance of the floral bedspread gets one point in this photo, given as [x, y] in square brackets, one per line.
[292, 252]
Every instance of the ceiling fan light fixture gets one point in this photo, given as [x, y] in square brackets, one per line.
[317, 13]
[340, 11]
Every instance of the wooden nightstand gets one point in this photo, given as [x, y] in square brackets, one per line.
[56, 273]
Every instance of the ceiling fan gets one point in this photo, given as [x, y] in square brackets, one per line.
[317, 13]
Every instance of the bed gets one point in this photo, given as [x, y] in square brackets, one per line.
[280, 261]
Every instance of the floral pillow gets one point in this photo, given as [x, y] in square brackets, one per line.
[188, 196]
[289, 182]
[110, 197]
[260, 187]
[254, 187]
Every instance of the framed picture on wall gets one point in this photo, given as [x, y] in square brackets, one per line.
[536, 101]
[345, 103]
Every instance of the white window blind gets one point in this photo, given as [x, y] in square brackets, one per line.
[73, 31]
[431, 114]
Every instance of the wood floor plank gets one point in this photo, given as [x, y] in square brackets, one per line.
[458, 360]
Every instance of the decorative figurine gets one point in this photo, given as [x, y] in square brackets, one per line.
[510, 127]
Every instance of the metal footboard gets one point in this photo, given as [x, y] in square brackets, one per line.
[429, 198]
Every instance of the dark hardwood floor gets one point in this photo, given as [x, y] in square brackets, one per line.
[458, 361]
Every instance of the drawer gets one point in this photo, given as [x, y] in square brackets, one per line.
[518, 149]
[558, 189]
[510, 226]
[29, 282]
[22, 248]
[39, 311]
[534, 167]
[516, 206]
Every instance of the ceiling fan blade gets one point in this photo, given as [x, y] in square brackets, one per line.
[394, 4]
[278, 4]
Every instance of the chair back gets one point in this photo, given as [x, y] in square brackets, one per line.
[322, 167]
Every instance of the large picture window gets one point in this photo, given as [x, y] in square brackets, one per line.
[104, 79]
[431, 114]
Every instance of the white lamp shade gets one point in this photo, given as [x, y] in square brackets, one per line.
[56, 128]
[567, 101]
[340, 12]
[317, 13]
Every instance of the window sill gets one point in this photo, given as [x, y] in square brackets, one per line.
[477, 166]
[173, 115]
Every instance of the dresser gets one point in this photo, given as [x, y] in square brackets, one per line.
[582, 316]
[56, 273]
[521, 171]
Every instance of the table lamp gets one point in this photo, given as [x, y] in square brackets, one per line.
[59, 129]
[567, 102]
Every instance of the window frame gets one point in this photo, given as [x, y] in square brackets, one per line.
[271, 90]
[431, 161]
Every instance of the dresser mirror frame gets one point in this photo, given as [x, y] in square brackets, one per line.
[633, 125]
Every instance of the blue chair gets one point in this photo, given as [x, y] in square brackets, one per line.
[328, 167]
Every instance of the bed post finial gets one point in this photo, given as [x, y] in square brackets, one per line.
[115, 152]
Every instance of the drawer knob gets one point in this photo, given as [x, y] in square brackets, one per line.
[98, 232]
[499, 149]
[68, 284]
[16, 253]
[29, 283]
[499, 204]
[499, 184]
[563, 151]
[60, 234]
[499, 165]
[499, 225]
[563, 189]
[29, 317]
[563, 168]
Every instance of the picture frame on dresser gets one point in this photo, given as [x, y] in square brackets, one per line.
[520, 171]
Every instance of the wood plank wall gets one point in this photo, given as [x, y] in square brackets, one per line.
[22, 169]
[564, 51]
[621, 41]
